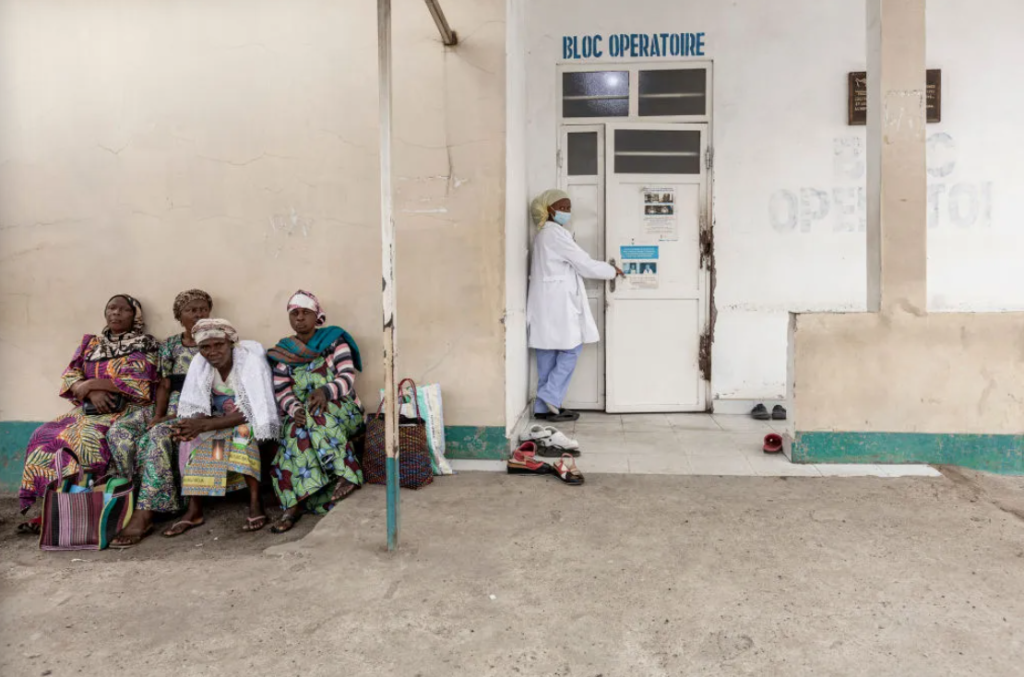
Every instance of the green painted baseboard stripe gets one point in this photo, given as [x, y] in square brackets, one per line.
[472, 442]
[462, 442]
[1003, 454]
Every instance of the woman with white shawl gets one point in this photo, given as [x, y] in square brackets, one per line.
[227, 406]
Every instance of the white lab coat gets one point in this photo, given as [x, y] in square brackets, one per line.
[558, 315]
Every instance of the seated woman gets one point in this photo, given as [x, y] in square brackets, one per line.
[226, 406]
[111, 375]
[142, 444]
[314, 382]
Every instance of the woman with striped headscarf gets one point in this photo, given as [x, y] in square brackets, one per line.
[142, 444]
[314, 382]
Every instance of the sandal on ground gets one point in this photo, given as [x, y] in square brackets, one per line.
[551, 437]
[778, 413]
[343, 490]
[760, 413]
[178, 528]
[123, 542]
[772, 444]
[524, 462]
[567, 471]
[284, 524]
[255, 523]
[30, 528]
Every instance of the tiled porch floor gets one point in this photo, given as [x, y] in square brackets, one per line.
[693, 444]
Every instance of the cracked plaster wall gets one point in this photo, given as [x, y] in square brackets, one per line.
[150, 146]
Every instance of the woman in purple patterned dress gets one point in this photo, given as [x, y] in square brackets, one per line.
[111, 374]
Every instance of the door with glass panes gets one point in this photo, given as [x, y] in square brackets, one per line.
[633, 156]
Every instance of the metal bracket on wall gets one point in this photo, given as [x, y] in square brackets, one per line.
[448, 36]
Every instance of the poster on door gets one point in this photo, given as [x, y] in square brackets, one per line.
[659, 213]
[640, 264]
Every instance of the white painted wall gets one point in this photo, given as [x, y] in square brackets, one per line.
[782, 144]
[150, 146]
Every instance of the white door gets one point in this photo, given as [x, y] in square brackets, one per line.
[581, 174]
[656, 200]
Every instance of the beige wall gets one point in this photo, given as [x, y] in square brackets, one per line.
[937, 373]
[150, 146]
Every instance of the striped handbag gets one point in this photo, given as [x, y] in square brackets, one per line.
[414, 469]
[77, 516]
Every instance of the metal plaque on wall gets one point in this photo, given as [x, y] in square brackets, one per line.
[857, 97]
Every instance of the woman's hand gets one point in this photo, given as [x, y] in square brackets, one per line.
[188, 429]
[317, 402]
[300, 418]
[158, 420]
[80, 389]
[103, 401]
[618, 272]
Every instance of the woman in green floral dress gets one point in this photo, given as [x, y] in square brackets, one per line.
[141, 444]
[314, 383]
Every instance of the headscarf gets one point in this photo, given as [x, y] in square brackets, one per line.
[293, 352]
[540, 205]
[111, 346]
[187, 297]
[207, 329]
[309, 301]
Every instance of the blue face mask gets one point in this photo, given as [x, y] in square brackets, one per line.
[562, 218]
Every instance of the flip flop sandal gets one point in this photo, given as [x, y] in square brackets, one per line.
[189, 526]
[772, 443]
[343, 490]
[760, 413]
[524, 462]
[130, 541]
[284, 524]
[778, 413]
[567, 471]
[30, 528]
[563, 416]
[254, 523]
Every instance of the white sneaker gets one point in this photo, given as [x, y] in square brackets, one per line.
[550, 436]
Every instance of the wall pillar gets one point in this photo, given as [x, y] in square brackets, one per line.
[897, 191]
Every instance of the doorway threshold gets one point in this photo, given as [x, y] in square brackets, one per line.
[693, 444]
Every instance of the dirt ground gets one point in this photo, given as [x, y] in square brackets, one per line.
[497, 575]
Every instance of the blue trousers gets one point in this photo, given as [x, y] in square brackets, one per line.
[554, 371]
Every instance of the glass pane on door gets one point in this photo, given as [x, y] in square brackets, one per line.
[595, 94]
[582, 153]
[645, 151]
[673, 92]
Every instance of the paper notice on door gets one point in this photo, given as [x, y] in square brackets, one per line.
[640, 264]
[659, 213]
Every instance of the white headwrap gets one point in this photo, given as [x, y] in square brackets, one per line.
[254, 389]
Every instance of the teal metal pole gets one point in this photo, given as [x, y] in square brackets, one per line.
[387, 229]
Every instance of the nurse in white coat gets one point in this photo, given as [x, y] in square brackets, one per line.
[557, 312]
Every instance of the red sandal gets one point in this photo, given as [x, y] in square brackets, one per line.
[524, 462]
[567, 471]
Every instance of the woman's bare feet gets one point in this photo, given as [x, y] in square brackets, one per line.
[139, 526]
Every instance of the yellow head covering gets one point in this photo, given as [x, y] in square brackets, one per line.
[540, 204]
